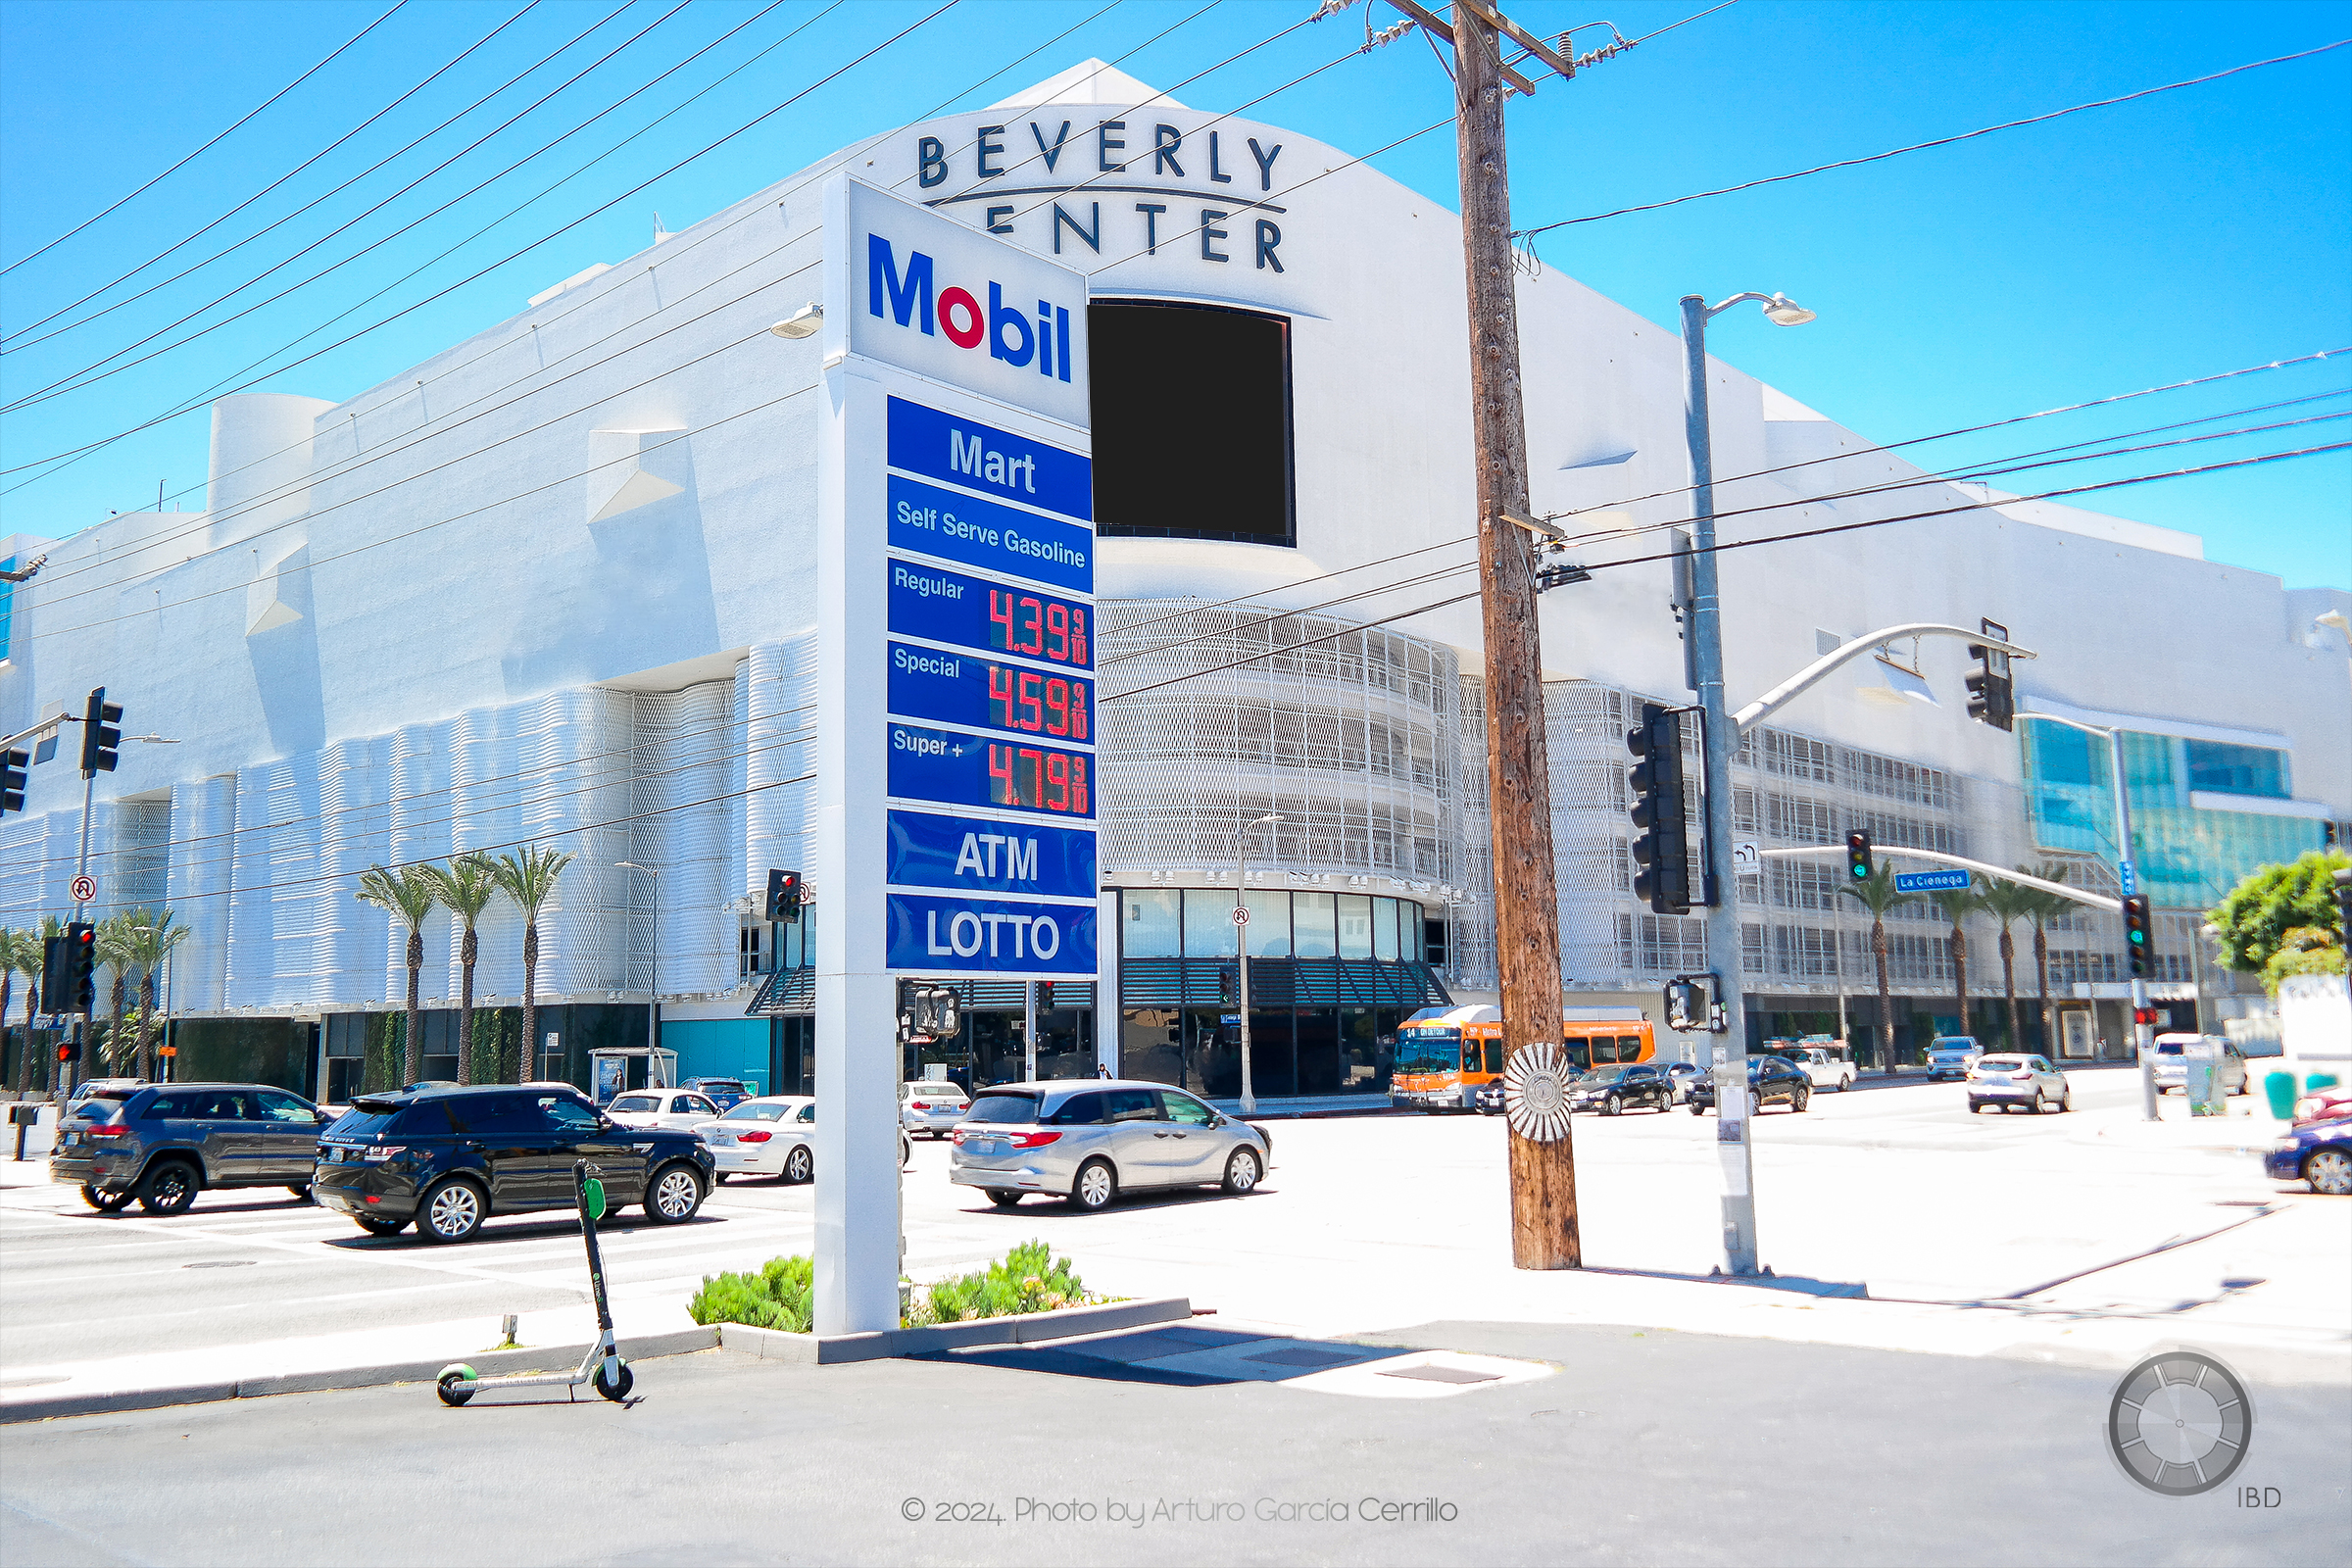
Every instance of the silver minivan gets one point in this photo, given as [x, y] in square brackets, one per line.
[1091, 1139]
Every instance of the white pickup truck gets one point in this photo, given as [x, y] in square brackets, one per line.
[1823, 1066]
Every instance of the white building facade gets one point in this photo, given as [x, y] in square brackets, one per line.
[557, 584]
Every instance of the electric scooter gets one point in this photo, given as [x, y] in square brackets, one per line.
[603, 1365]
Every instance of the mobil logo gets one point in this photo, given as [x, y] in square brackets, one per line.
[904, 288]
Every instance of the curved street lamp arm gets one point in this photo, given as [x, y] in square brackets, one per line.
[1762, 708]
[2097, 901]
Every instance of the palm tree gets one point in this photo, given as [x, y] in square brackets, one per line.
[529, 879]
[1958, 905]
[152, 937]
[12, 944]
[32, 958]
[114, 950]
[465, 886]
[1878, 895]
[2047, 907]
[409, 893]
[2009, 902]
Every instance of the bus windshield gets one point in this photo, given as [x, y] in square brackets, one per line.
[1428, 1050]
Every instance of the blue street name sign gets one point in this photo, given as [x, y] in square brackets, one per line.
[981, 534]
[973, 854]
[929, 764]
[947, 607]
[2128, 874]
[1930, 881]
[928, 932]
[991, 462]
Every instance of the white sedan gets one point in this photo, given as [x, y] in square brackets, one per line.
[681, 1108]
[771, 1136]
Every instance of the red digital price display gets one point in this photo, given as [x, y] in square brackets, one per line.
[1041, 704]
[1037, 626]
[1038, 778]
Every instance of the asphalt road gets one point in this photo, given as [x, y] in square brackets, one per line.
[1630, 1446]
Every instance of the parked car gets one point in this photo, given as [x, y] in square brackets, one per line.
[1952, 1056]
[2320, 1153]
[1488, 1100]
[1090, 1140]
[2172, 1063]
[682, 1109]
[766, 1137]
[162, 1143]
[1823, 1068]
[450, 1158]
[724, 1093]
[1683, 1074]
[2323, 1104]
[931, 1105]
[2017, 1082]
[1614, 1089]
[1771, 1081]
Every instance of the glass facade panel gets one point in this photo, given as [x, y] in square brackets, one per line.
[1151, 1045]
[1213, 1055]
[1355, 925]
[1208, 924]
[1149, 926]
[2238, 769]
[1273, 1060]
[1314, 926]
[1384, 928]
[1269, 924]
[1322, 1069]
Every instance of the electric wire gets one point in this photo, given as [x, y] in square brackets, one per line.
[208, 146]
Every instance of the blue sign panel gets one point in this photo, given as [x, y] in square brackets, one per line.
[983, 694]
[996, 463]
[929, 764]
[981, 534]
[947, 607]
[931, 933]
[973, 854]
[1930, 881]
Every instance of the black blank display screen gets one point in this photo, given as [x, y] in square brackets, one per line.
[1192, 411]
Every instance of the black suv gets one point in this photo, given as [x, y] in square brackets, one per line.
[1771, 1081]
[448, 1158]
[164, 1143]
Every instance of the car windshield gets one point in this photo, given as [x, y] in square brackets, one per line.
[2003, 1062]
[364, 1119]
[758, 1110]
[1429, 1050]
[632, 1102]
[2169, 1047]
[1603, 1075]
[1001, 1107]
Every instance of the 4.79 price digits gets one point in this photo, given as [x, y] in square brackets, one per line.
[1026, 700]
[1035, 626]
[1038, 779]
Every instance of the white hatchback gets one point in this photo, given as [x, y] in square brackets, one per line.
[681, 1108]
[766, 1137]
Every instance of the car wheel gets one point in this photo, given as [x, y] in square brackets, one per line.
[1612, 1107]
[1697, 1110]
[449, 1211]
[386, 1226]
[673, 1195]
[1755, 1105]
[168, 1187]
[1096, 1186]
[799, 1165]
[105, 1202]
[617, 1388]
[1974, 1107]
[2066, 1102]
[1241, 1171]
[300, 1190]
[2330, 1171]
[1801, 1098]
[1002, 1198]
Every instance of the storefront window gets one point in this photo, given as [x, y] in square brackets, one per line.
[1314, 926]
[1149, 924]
[1355, 925]
[1213, 1055]
[1384, 929]
[1151, 1045]
[1208, 924]
[1269, 924]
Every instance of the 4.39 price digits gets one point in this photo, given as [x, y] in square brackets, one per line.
[1036, 779]
[1037, 627]
[1049, 704]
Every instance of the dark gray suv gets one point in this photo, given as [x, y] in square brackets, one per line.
[162, 1143]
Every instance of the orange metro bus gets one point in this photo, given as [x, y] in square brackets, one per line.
[1445, 1054]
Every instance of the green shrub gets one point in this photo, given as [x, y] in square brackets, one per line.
[1029, 1278]
[775, 1298]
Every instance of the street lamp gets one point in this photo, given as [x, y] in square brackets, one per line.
[653, 988]
[803, 322]
[1241, 942]
[1724, 953]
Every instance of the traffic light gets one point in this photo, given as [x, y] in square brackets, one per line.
[2138, 938]
[1662, 851]
[69, 1051]
[784, 896]
[81, 969]
[1991, 695]
[1857, 857]
[1045, 995]
[1686, 1004]
[101, 735]
[12, 780]
[2144, 1015]
[1228, 984]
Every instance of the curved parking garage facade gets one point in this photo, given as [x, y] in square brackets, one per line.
[597, 629]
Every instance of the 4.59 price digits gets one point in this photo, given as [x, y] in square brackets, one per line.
[1037, 779]
[1036, 628]
[1023, 699]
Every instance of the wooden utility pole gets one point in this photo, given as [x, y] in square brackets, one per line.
[1527, 916]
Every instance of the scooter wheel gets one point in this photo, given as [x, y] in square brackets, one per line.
[618, 1388]
[450, 1388]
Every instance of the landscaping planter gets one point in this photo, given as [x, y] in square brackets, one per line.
[1028, 1328]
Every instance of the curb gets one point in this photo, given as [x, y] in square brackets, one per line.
[551, 1357]
[834, 1350]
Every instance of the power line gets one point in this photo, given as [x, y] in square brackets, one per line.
[1940, 141]
[208, 146]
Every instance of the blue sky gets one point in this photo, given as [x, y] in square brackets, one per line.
[2193, 233]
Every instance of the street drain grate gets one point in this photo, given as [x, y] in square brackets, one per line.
[1443, 1374]
[1299, 1356]
[226, 1262]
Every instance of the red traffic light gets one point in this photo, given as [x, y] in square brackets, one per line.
[2144, 1015]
